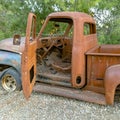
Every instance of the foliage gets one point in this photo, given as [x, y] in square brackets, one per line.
[13, 14]
[10, 18]
[108, 21]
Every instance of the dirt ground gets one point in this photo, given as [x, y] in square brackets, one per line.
[14, 106]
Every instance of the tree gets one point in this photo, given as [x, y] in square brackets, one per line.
[14, 14]
[107, 16]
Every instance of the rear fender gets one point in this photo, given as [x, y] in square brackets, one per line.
[112, 80]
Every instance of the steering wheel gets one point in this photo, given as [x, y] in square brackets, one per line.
[59, 42]
[48, 42]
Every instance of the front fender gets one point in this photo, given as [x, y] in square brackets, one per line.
[112, 80]
[11, 59]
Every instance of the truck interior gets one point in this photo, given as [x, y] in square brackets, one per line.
[54, 52]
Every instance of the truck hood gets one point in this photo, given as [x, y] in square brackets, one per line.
[7, 45]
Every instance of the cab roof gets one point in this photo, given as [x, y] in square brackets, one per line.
[72, 15]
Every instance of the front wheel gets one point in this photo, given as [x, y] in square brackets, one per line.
[11, 80]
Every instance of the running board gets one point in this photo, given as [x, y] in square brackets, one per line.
[84, 95]
[47, 81]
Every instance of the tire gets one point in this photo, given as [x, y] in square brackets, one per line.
[10, 80]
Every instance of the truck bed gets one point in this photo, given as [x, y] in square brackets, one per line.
[98, 60]
[107, 50]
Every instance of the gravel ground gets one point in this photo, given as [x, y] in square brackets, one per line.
[14, 106]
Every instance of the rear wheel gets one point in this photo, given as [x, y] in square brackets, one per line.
[11, 80]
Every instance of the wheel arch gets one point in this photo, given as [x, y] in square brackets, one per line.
[4, 68]
[117, 93]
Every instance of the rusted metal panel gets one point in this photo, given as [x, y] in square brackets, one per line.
[71, 93]
[98, 60]
[81, 44]
[72, 15]
[29, 57]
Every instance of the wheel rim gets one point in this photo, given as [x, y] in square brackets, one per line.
[9, 83]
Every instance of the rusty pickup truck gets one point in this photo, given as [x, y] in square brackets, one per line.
[64, 59]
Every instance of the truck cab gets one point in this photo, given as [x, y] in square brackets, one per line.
[65, 59]
[70, 35]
